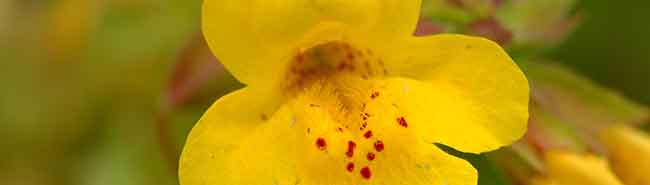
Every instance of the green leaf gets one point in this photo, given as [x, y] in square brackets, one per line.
[488, 172]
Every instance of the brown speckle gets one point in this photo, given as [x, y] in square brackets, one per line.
[402, 122]
[374, 95]
[368, 134]
[341, 66]
[351, 56]
[300, 58]
[364, 125]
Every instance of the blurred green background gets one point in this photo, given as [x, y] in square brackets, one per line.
[612, 46]
[105, 91]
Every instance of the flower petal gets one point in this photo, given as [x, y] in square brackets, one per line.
[255, 38]
[276, 154]
[629, 153]
[566, 168]
[219, 132]
[308, 141]
[473, 97]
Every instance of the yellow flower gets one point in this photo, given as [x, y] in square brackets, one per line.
[568, 168]
[629, 153]
[70, 23]
[339, 92]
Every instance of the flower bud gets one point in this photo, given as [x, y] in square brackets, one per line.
[569, 168]
[629, 154]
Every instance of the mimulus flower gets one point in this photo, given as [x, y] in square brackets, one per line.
[629, 153]
[569, 168]
[339, 92]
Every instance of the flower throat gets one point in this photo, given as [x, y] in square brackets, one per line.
[329, 61]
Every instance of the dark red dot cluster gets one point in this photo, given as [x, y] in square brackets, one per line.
[378, 145]
[374, 95]
[402, 122]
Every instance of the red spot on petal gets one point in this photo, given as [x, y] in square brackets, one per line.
[321, 144]
[379, 146]
[350, 167]
[365, 173]
[351, 147]
[374, 95]
[402, 122]
[368, 134]
[370, 156]
[339, 129]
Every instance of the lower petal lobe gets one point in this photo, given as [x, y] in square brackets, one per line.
[470, 95]
[319, 137]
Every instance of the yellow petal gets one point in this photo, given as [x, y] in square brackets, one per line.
[568, 168]
[307, 141]
[629, 154]
[255, 39]
[70, 24]
[473, 97]
[219, 132]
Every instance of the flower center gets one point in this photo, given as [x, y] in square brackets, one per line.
[340, 101]
[326, 61]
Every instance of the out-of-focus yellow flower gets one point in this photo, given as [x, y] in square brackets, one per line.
[629, 154]
[70, 24]
[568, 168]
[340, 92]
